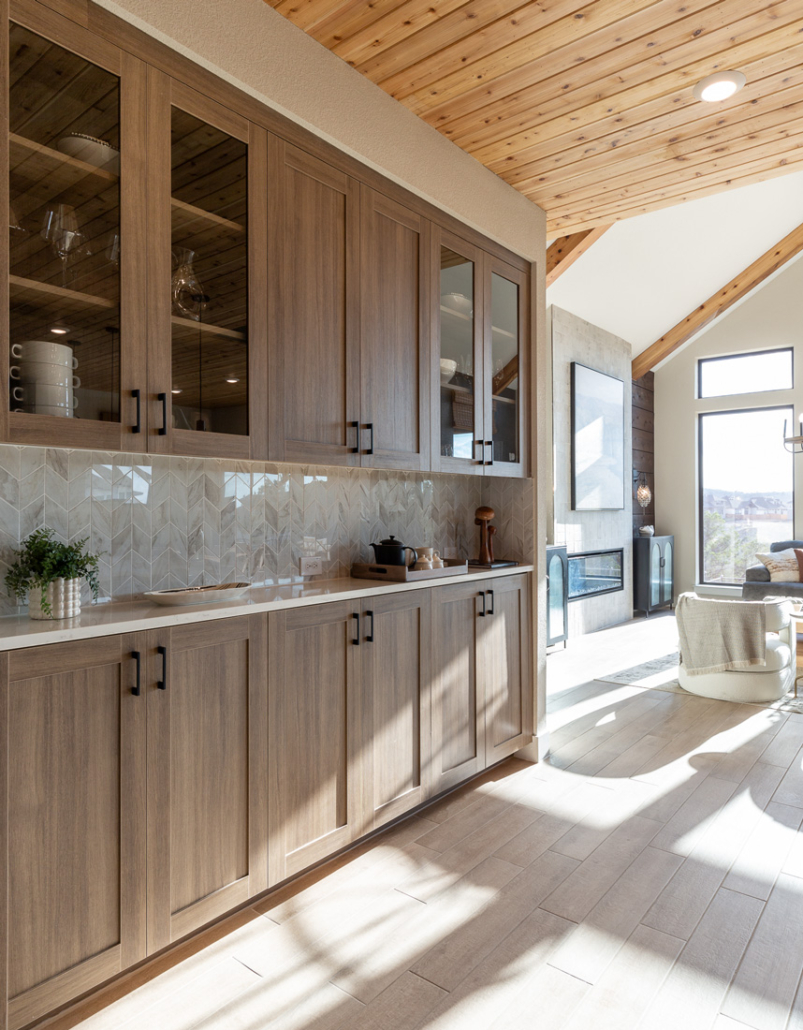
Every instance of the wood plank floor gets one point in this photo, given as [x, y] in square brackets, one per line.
[648, 876]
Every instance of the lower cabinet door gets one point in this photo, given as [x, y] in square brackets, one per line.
[315, 790]
[72, 737]
[396, 657]
[458, 724]
[504, 661]
[207, 772]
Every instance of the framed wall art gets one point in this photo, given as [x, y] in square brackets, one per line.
[598, 440]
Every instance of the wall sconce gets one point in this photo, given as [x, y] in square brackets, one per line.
[643, 492]
[793, 444]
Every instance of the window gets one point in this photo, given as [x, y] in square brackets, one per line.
[746, 489]
[756, 372]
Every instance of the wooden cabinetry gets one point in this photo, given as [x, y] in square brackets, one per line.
[479, 316]
[207, 773]
[481, 698]
[72, 736]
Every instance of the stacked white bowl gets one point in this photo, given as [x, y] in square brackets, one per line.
[46, 376]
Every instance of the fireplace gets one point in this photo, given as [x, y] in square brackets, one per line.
[595, 572]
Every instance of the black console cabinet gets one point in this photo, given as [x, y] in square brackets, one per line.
[653, 573]
[557, 606]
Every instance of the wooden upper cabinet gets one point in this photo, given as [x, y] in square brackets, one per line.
[394, 329]
[504, 657]
[207, 310]
[314, 363]
[505, 368]
[315, 719]
[206, 696]
[72, 338]
[72, 736]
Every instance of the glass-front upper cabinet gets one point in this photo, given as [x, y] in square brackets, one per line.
[504, 332]
[204, 393]
[72, 272]
[458, 321]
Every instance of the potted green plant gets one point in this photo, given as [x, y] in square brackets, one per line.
[50, 573]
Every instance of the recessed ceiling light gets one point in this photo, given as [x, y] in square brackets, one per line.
[231, 379]
[60, 332]
[175, 391]
[719, 86]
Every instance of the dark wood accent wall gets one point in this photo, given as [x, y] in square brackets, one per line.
[643, 446]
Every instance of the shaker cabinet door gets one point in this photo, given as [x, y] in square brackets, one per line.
[315, 791]
[207, 772]
[72, 736]
[505, 667]
[314, 369]
[394, 329]
[396, 651]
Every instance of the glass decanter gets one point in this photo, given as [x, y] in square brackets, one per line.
[189, 299]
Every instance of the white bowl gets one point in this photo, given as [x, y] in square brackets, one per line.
[46, 373]
[44, 350]
[93, 151]
[60, 411]
[457, 302]
[198, 595]
[51, 396]
[448, 369]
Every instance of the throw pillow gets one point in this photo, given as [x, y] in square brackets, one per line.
[784, 566]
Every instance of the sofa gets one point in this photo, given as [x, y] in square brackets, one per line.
[758, 584]
[760, 683]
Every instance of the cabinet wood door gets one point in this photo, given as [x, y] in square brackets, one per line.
[394, 329]
[74, 268]
[458, 725]
[314, 363]
[315, 792]
[396, 652]
[72, 736]
[458, 363]
[207, 312]
[207, 773]
[504, 660]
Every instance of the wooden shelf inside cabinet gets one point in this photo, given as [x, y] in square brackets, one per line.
[466, 389]
[193, 327]
[48, 296]
[202, 230]
[39, 173]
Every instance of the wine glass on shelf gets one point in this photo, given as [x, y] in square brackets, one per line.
[60, 230]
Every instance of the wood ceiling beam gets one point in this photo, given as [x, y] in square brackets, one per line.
[737, 288]
[563, 253]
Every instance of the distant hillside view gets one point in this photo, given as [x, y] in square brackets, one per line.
[737, 525]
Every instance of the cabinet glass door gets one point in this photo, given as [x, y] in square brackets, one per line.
[65, 240]
[504, 416]
[209, 282]
[666, 574]
[459, 419]
[556, 616]
[655, 575]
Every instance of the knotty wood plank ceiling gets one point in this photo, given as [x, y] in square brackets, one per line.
[586, 108]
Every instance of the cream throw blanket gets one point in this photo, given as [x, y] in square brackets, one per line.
[719, 635]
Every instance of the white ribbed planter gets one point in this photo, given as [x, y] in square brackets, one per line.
[63, 596]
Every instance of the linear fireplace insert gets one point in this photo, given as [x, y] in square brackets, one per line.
[596, 572]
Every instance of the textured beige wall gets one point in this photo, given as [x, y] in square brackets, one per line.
[256, 49]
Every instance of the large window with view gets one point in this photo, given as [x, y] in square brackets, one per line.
[746, 489]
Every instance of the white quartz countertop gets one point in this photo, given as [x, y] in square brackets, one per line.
[103, 620]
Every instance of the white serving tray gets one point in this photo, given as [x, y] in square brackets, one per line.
[198, 595]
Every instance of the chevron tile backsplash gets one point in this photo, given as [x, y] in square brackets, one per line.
[161, 522]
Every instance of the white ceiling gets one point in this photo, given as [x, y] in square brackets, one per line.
[647, 273]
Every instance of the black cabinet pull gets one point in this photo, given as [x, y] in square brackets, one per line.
[481, 445]
[162, 683]
[489, 443]
[137, 427]
[370, 636]
[136, 689]
[162, 398]
[356, 448]
[492, 609]
[356, 640]
[370, 427]
[483, 613]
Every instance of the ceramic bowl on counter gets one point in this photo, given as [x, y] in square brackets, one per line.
[198, 595]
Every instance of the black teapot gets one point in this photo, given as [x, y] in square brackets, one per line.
[391, 552]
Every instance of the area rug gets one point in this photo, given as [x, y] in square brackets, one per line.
[662, 674]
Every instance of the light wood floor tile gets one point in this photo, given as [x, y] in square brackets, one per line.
[786, 743]
[790, 792]
[768, 851]
[546, 1001]
[629, 984]
[691, 820]
[594, 944]
[613, 812]
[404, 1005]
[692, 994]
[747, 743]
[764, 987]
